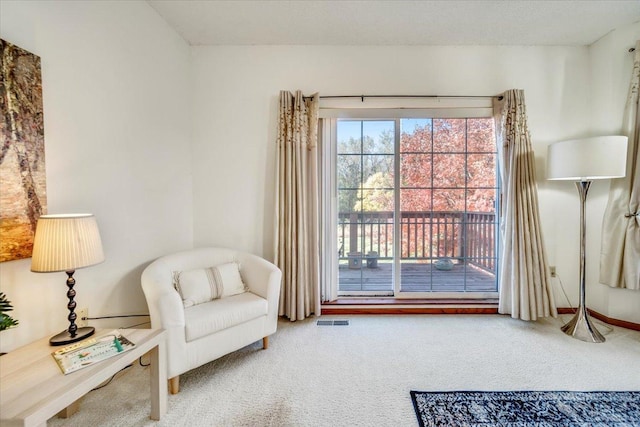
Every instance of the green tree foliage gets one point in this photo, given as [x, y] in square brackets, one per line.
[358, 160]
[6, 321]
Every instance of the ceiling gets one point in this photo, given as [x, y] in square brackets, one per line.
[396, 22]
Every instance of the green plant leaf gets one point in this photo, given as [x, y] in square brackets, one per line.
[7, 322]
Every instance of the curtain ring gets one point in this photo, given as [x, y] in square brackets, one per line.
[631, 215]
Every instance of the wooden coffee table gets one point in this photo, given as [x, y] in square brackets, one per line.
[33, 389]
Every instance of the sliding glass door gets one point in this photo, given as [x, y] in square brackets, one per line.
[365, 169]
[415, 207]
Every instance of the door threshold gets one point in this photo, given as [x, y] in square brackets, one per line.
[384, 305]
[409, 301]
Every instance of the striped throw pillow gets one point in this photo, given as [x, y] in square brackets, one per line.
[207, 284]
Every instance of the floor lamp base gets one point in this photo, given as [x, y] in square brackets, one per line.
[581, 327]
[64, 337]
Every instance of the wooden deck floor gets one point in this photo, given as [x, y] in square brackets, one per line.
[416, 277]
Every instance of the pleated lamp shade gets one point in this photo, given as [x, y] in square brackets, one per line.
[602, 157]
[65, 243]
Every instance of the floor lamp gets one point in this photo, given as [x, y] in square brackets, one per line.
[66, 243]
[582, 161]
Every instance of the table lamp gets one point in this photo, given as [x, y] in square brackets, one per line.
[582, 161]
[66, 243]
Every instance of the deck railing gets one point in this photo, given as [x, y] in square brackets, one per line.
[469, 237]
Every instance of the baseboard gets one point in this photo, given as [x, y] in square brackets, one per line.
[355, 306]
[606, 319]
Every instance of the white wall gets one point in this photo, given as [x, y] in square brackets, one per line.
[235, 103]
[116, 88]
[610, 65]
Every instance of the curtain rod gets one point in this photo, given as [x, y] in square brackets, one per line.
[362, 97]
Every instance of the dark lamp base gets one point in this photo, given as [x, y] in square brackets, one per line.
[65, 337]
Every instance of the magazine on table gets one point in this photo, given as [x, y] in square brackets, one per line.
[93, 350]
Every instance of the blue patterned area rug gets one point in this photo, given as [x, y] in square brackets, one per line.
[527, 408]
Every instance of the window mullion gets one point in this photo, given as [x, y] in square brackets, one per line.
[397, 225]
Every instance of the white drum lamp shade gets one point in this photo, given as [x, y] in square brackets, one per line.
[601, 157]
[66, 243]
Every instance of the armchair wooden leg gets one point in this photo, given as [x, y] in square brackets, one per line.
[174, 384]
[265, 343]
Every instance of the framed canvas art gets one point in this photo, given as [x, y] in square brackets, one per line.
[22, 168]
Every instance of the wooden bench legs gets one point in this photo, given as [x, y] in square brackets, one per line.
[70, 410]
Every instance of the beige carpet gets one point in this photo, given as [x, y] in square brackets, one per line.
[361, 375]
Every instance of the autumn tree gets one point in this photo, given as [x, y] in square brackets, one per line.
[376, 194]
[439, 166]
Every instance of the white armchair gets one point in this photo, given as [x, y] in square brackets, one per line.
[204, 332]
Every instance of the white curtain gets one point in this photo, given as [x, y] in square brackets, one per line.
[297, 235]
[620, 251]
[525, 290]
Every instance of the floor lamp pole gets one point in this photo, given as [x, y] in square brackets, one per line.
[580, 326]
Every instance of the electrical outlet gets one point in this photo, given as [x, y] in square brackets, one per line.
[82, 319]
[552, 270]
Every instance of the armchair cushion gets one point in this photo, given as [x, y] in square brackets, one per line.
[206, 284]
[230, 311]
